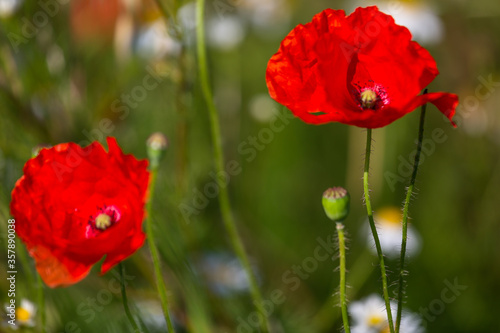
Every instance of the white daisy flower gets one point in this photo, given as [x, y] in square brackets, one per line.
[25, 315]
[369, 316]
[388, 221]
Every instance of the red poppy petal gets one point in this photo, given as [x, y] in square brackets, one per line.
[302, 74]
[55, 272]
[113, 258]
[445, 102]
[130, 165]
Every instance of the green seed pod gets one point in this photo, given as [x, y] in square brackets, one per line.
[336, 202]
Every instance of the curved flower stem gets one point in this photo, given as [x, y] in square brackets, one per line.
[41, 305]
[125, 301]
[409, 193]
[343, 301]
[385, 289]
[162, 289]
[224, 204]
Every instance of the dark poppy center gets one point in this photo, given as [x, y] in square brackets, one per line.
[104, 218]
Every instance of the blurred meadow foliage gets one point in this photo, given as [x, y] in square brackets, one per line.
[83, 70]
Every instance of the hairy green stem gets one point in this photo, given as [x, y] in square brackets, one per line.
[125, 301]
[385, 289]
[224, 204]
[343, 301]
[409, 193]
[41, 305]
[160, 283]
[359, 272]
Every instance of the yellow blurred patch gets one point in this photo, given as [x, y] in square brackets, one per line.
[22, 314]
[392, 215]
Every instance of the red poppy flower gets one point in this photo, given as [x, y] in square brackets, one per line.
[360, 69]
[75, 205]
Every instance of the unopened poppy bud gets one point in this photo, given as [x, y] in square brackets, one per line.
[336, 203]
[157, 143]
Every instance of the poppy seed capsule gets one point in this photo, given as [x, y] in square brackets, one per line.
[336, 202]
[368, 98]
[103, 221]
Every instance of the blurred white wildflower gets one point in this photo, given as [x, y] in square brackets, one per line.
[152, 313]
[9, 7]
[154, 41]
[477, 122]
[389, 226]
[186, 15]
[186, 18]
[369, 316]
[223, 273]
[55, 59]
[268, 18]
[225, 33]
[263, 108]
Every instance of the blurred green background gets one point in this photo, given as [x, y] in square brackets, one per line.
[65, 66]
